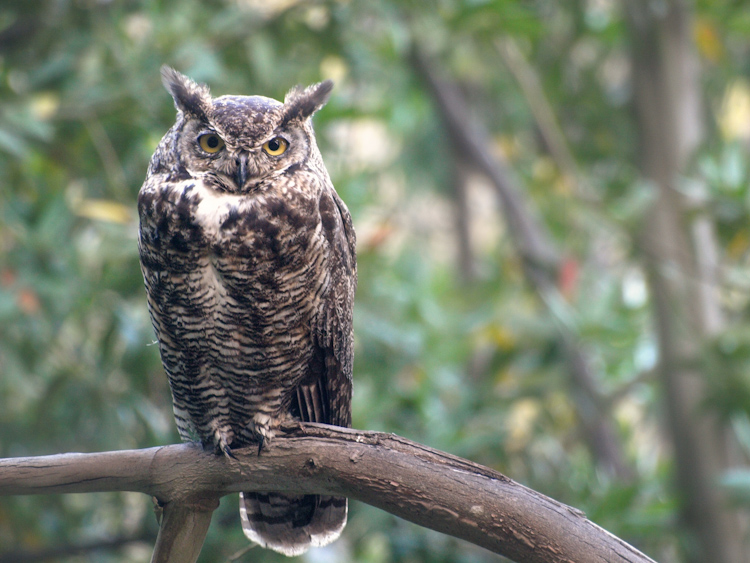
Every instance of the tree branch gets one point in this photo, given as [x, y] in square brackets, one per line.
[183, 530]
[425, 486]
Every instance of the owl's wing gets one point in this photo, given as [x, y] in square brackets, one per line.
[291, 523]
[327, 398]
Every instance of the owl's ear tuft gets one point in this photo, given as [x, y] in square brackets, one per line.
[189, 96]
[302, 103]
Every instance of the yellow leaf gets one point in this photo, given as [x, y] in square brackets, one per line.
[734, 115]
[498, 336]
[738, 245]
[334, 67]
[707, 40]
[521, 419]
[104, 210]
[507, 147]
[44, 105]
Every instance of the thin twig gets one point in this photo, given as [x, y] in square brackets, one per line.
[58, 552]
[107, 153]
[540, 107]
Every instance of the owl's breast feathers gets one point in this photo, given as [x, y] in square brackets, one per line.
[250, 297]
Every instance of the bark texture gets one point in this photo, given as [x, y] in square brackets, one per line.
[428, 487]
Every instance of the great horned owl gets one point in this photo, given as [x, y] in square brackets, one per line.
[248, 256]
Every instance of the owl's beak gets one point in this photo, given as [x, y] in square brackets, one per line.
[242, 172]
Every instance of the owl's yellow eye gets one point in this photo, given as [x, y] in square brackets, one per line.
[211, 143]
[275, 146]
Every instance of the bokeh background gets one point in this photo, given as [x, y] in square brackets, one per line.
[608, 366]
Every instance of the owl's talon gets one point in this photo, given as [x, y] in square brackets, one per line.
[228, 452]
[261, 443]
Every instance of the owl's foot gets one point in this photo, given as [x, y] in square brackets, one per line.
[228, 452]
[221, 444]
[262, 426]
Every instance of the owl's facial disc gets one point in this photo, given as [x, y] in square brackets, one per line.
[231, 168]
[242, 143]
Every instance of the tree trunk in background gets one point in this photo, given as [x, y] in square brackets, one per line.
[681, 262]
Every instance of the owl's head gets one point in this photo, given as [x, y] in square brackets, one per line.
[238, 143]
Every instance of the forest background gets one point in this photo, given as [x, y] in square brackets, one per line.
[552, 202]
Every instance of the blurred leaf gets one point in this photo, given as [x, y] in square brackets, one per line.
[737, 485]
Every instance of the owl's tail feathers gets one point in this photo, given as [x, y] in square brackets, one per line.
[291, 524]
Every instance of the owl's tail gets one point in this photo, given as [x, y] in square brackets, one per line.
[290, 524]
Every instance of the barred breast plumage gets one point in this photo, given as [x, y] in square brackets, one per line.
[248, 256]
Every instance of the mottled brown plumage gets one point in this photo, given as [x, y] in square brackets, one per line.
[248, 255]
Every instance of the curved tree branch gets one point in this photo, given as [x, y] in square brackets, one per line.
[428, 487]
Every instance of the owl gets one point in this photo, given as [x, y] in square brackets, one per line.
[248, 257]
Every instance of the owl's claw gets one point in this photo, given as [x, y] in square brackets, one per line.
[228, 452]
[262, 427]
[261, 443]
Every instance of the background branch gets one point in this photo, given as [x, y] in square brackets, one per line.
[540, 258]
[58, 552]
[545, 118]
[425, 486]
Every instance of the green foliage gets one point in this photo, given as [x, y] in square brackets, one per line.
[474, 367]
